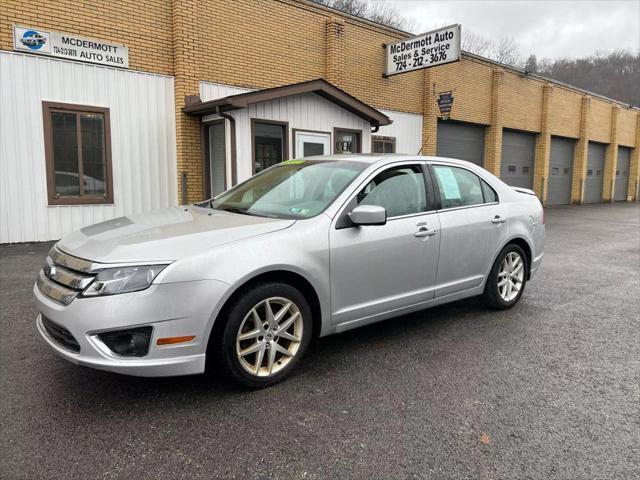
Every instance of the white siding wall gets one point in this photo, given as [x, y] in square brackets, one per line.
[307, 111]
[213, 91]
[407, 130]
[143, 142]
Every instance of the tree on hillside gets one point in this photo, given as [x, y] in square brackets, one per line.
[615, 75]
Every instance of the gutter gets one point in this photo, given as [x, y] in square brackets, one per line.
[234, 162]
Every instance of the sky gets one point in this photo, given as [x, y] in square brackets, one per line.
[548, 29]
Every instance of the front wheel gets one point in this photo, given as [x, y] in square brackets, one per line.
[267, 333]
[507, 279]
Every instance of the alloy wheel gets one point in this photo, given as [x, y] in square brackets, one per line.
[269, 336]
[510, 276]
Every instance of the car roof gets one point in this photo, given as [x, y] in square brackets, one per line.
[381, 158]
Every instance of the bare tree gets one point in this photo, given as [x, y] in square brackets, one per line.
[475, 43]
[503, 49]
[353, 7]
[531, 66]
[380, 11]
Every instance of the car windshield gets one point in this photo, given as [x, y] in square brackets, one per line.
[292, 189]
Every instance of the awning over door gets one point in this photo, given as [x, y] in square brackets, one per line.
[319, 86]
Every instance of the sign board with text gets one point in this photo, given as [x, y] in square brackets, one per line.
[70, 47]
[427, 50]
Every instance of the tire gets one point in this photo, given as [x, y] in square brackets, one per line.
[266, 364]
[495, 296]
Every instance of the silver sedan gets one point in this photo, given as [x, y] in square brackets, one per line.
[243, 282]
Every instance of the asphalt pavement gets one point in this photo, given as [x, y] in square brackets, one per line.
[549, 389]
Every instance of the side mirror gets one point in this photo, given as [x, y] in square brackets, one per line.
[368, 215]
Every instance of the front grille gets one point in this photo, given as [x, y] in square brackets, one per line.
[60, 335]
[64, 276]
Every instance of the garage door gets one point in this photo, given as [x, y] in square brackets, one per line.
[518, 156]
[622, 174]
[560, 171]
[461, 140]
[595, 173]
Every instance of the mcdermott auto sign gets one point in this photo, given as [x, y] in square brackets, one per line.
[427, 50]
[70, 47]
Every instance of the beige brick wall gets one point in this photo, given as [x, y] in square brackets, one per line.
[600, 121]
[493, 137]
[471, 83]
[522, 102]
[543, 144]
[627, 127]
[144, 26]
[581, 151]
[611, 158]
[565, 119]
[634, 182]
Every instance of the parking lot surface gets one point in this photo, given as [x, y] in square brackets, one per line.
[549, 389]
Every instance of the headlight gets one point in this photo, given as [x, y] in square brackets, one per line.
[123, 280]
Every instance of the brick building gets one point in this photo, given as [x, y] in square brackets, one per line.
[214, 91]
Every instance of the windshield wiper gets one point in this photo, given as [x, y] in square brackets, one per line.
[241, 211]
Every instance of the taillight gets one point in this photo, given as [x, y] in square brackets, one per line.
[543, 216]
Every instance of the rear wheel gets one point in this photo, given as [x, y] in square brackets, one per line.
[267, 333]
[507, 279]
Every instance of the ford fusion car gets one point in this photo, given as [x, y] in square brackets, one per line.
[243, 282]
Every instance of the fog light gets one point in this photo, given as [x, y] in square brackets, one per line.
[133, 342]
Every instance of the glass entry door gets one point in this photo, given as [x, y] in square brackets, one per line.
[312, 143]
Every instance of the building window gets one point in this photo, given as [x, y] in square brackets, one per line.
[347, 141]
[269, 143]
[383, 144]
[78, 154]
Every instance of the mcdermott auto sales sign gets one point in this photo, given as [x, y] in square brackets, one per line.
[70, 47]
[427, 50]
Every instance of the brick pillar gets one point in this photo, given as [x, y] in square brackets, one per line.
[429, 113]
[334, 52]
[493, 137]
[580, 154]
[611, 159]
[186, 83]
[634, 168]
[543, 147]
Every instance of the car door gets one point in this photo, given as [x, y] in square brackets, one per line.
[381, 268]
[473, 224]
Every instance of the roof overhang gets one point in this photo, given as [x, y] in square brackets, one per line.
[319, 86]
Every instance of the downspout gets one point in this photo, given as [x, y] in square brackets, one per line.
[232, 135]
[375, 128]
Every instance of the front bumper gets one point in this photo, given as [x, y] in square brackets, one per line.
[173, 309]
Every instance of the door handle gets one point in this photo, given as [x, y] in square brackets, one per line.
[498, 219]
[425, 232]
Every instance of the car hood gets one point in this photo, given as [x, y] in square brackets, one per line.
[164, 235]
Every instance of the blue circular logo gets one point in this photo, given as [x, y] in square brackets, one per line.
[33, 40]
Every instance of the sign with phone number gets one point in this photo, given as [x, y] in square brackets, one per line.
[427, 50]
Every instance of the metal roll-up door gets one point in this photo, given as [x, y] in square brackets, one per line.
[621, 186]
[595, 173]
[560, 171]
[461, 140]
[518, 157]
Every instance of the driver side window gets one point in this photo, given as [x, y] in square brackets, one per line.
[400, 190]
